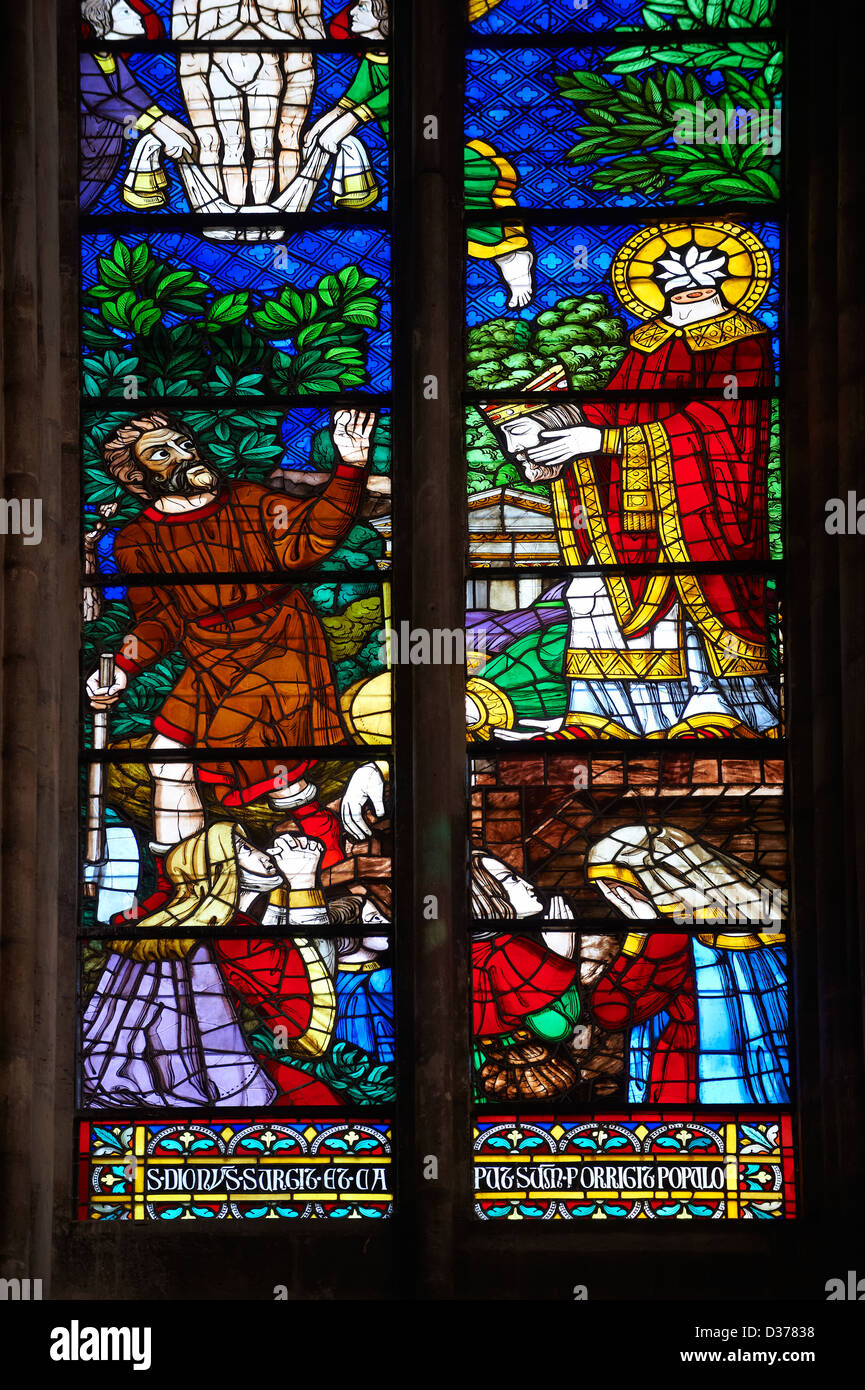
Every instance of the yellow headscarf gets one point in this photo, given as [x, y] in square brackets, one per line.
[204, 869]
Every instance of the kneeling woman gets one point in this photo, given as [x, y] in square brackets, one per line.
[162, 1027]
[525, 991]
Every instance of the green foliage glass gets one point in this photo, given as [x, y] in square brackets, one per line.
[163, 328]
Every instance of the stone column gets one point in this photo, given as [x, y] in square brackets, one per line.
[38, 704]
[438, 545]
[826, 608]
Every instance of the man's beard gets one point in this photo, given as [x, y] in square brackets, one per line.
[178, 482]
[542, 472]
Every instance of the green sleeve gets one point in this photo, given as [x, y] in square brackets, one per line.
[489, 182]
[481, 176]
[557, 1021]
[370, 90]
[531, 673]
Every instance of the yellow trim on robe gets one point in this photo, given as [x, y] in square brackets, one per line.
[709, 721]
[650, 499]
[150, 117]
[515, 239]
[134, 199]
[623, 663]
[565, 524]
[638, 499]
[634, 943]
[316, 1039]
[508, 177]
[703, 336]
[358, 191]
[150, 181]
[630, 619]
[358, 109]
[724, 941]
[597, 725]
[745, 941]
[729, 654]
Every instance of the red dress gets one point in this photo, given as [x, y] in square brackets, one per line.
[512, 977]
[660, 979]
[271, 977]
[686, 483]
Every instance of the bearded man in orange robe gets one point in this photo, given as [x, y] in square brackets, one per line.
[257, 672]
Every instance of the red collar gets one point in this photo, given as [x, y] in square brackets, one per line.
[198, 514]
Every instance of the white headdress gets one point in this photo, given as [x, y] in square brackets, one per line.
[692, 268]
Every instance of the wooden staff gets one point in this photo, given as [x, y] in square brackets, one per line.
[95, 853]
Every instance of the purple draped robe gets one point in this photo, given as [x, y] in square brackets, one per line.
[110, 103]
[165, 1033]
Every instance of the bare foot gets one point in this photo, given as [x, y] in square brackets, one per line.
[517, 271]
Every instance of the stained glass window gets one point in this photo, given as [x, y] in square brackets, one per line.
[625, 617]
[625, 611]
[237, 1043]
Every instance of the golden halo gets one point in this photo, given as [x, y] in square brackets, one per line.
[749, 265]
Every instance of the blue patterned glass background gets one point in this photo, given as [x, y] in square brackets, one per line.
[252, 266]
[297, 430]
[546, 16]
[157, 74]
[513, 103]
[557, 277]
[551, 16]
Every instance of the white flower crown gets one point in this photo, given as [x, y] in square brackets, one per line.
[692, 269]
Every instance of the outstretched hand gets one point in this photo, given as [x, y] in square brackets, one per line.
[178, 141]
[352, 435]
[560, 446]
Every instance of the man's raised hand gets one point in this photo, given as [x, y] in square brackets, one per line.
[352, 434]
